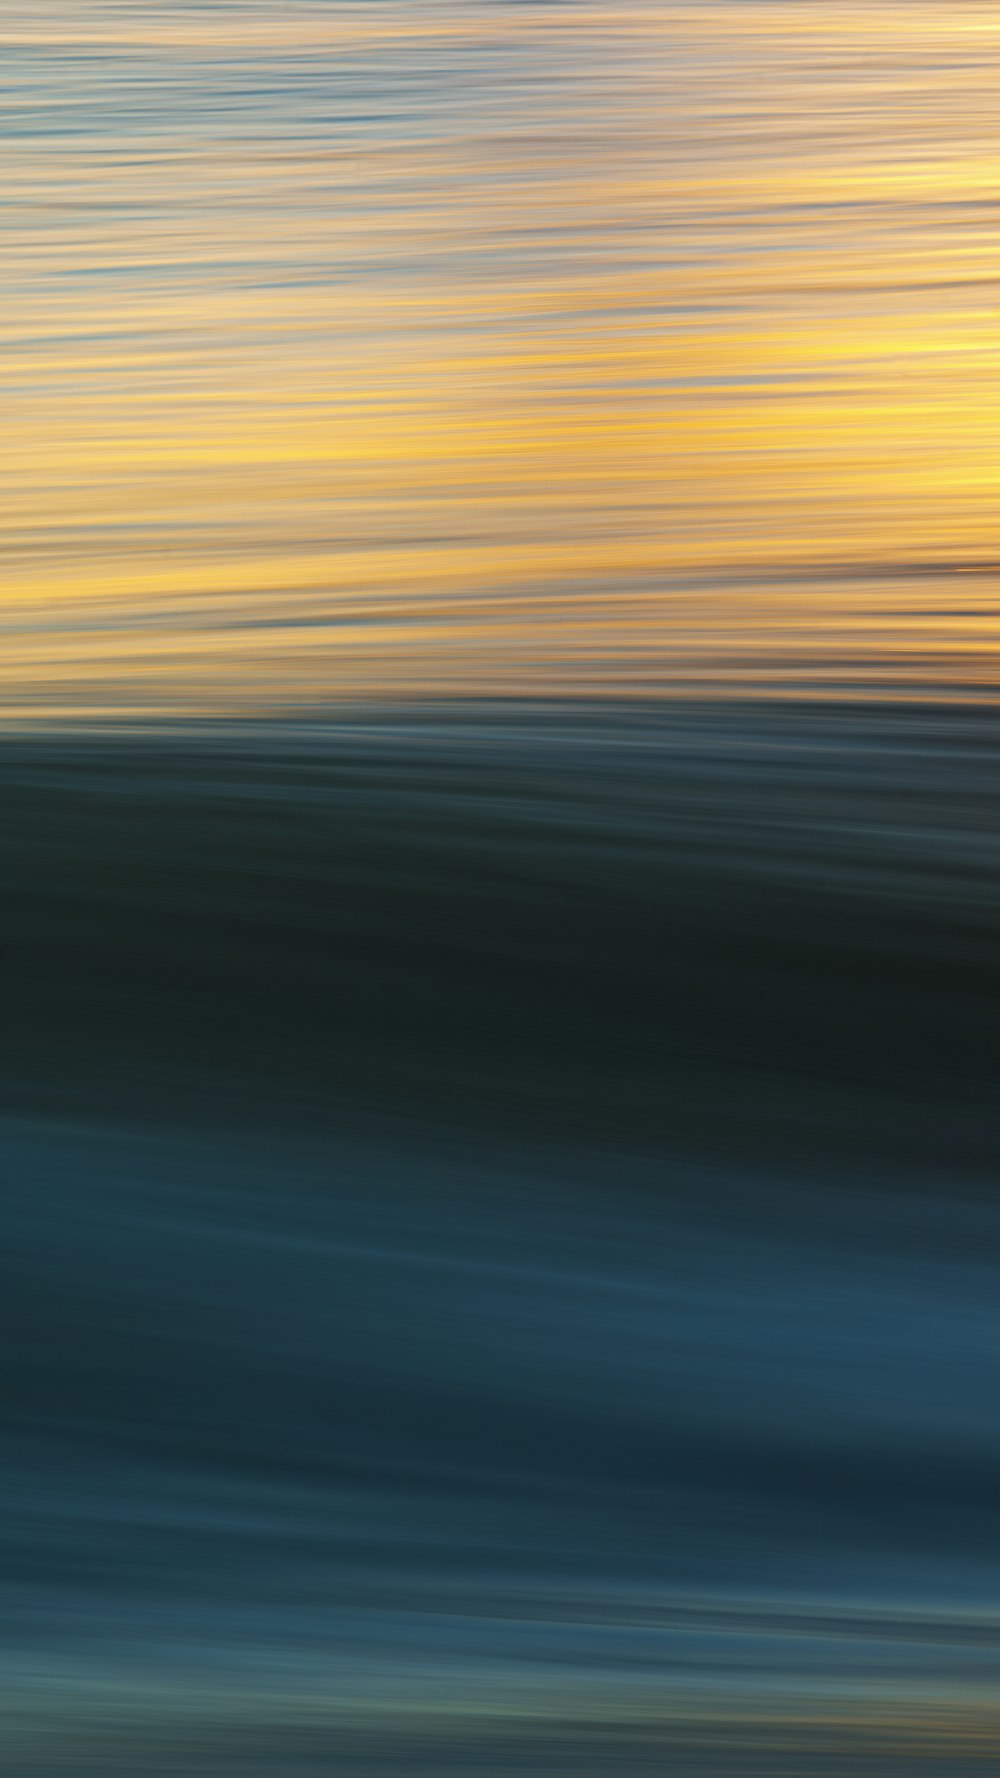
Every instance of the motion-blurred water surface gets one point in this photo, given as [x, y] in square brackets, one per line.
[499, 907]
[406, 348]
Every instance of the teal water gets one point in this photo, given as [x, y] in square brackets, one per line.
[501, 1244]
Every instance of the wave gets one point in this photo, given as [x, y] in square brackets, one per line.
[499, 1244]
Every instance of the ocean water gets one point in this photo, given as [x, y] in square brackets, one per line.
[458, 348]
[498, 788]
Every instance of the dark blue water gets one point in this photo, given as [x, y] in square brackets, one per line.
[501, 1253]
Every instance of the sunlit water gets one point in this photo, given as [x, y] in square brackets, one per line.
[499, 907]
[407, 349]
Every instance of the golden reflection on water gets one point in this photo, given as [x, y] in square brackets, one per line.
[397, 350]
